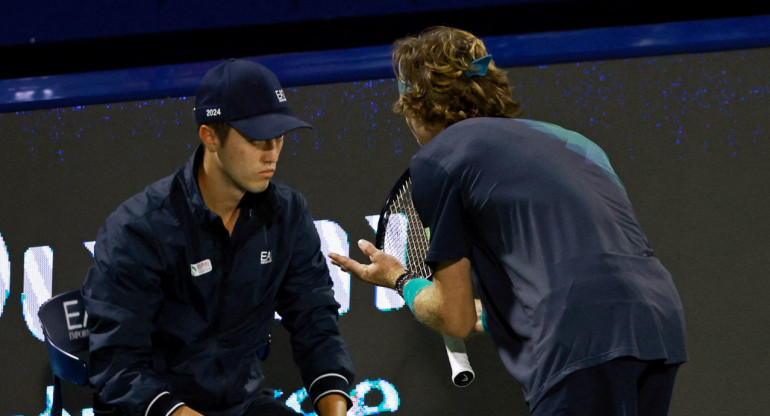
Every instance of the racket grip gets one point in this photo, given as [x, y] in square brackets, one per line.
[462, 372]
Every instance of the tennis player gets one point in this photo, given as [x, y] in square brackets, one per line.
[532, 218]
[189, 273]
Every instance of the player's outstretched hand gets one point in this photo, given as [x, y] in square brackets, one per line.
[383, 270]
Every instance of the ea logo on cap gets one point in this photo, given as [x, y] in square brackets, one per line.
[281, 96]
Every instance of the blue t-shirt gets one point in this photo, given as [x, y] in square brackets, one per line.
[566, 275]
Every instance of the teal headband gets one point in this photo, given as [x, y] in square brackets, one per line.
[480, 67]
[401, 88]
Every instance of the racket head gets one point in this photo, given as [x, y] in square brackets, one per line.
[400, 232]
[385, 213]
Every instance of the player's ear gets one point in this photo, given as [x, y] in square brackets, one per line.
[208, 137]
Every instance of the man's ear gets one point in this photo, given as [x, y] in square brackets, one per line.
[208, 137]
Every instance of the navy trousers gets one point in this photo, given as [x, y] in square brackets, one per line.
[622, 387]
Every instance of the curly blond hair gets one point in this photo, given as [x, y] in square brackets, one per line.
[437, 91]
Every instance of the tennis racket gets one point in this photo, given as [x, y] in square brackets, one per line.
[401, 234]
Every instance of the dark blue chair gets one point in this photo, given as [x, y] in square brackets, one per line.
[64, 322]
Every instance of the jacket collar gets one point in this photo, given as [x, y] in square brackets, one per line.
[188, 175]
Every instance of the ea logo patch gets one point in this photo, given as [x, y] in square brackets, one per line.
[281, 96]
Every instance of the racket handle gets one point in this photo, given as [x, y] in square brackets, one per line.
[462, 372]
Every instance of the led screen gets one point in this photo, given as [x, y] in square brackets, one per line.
[687, 134]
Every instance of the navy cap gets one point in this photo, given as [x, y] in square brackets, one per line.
[249, 97]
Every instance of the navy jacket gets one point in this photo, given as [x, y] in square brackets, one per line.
[180, 311]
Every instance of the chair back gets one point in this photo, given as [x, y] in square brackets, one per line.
[64, 320]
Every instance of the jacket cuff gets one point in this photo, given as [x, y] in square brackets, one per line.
[163, 405]
[330, 383]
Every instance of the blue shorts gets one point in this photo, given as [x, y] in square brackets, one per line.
[625, 386]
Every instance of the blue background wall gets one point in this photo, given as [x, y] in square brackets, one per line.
[167, 44]
[46, 37]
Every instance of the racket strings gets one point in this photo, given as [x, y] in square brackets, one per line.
[408, 233]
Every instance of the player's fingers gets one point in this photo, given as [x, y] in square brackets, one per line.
[356, 269]
[367, 247]
[337, 261]
[362, 271]
[479, 326]
[347, 264]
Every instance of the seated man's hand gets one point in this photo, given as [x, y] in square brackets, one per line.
[185, 411]
[332, 405]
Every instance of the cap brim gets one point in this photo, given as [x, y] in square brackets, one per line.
[268, 126]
